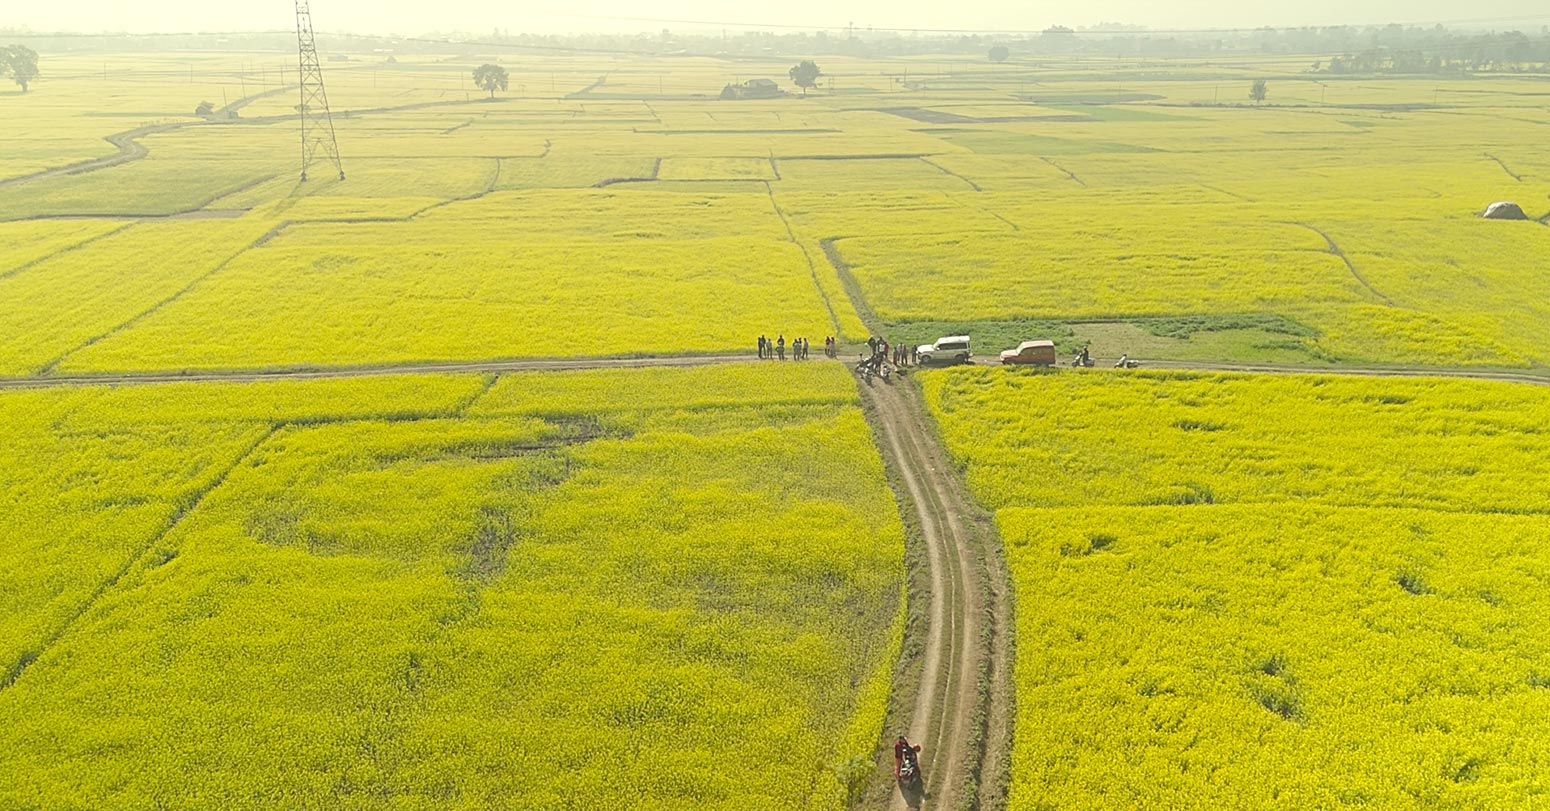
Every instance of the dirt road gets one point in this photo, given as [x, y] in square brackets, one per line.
[432, 368]
[962, 711]
[1538, 378]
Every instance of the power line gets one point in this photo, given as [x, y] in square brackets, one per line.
[1029, 31]
[1140, 32]
[126, 35]
[345, 35]
[513, 45]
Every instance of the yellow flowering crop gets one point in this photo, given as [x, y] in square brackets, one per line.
[656, 589]
[1252, 592]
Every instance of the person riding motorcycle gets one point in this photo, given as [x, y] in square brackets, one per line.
[904, 753]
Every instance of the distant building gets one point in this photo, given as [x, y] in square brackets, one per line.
[753, 89]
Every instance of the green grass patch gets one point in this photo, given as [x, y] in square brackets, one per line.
[988, 336]
[1186, 325]
[1244, 344]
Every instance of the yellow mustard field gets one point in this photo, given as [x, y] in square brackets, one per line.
[446, 592]
[1246, 592]
[925, 194]
[381, 584]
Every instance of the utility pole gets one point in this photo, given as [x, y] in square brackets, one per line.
[317, 123]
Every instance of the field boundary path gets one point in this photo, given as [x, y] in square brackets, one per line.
[188, 505]
[128, 142]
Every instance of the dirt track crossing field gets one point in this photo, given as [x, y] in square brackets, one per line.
[474, 367]
[962, 711]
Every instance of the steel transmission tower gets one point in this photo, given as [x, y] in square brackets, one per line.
[317, 124]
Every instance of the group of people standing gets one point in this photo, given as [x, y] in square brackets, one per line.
[897, 355]
[776, 349]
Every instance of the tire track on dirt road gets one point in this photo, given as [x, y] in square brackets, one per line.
[962, 710]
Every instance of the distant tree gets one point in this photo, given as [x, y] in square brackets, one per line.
[490, 77]
[806, 74]
[1257, 92]
[999, 53]
[205, 108]
[391, 60]
[20, 63]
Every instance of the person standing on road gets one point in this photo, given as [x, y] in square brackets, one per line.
[761, 347]
[780, 346]
[915, 356]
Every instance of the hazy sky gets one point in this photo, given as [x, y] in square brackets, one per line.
[480, 16]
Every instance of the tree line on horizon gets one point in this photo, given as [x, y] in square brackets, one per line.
[1345, 49]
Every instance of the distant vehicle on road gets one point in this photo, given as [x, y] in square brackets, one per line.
[952, 349]
[1031, 353]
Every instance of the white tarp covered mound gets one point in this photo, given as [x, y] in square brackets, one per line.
[1504, 211]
